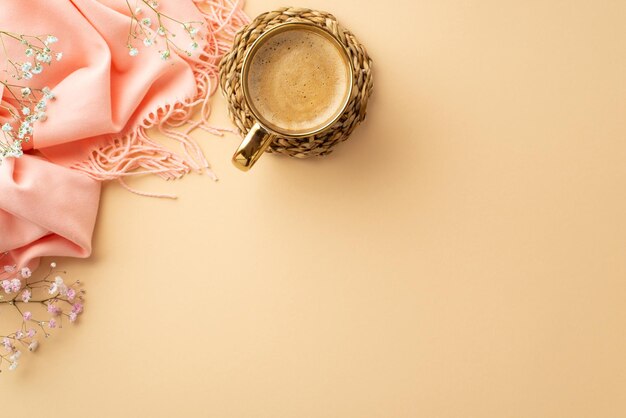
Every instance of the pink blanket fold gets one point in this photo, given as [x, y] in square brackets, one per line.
[47, 210]
[106, 102]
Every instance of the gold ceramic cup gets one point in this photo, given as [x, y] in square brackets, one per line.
[265, 131]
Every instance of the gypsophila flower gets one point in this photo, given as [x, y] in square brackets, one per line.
[24, 98]
[58, 56]
[48, 94]
[141, 30]
[193, 46]
[133, 52]
[6, 286]
[45, 311]
[7, 344]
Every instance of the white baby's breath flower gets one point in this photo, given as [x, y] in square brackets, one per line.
[7, 127]
[29, 52]
[26, 91]
[146, 21]
[25, 111]
[51, 39]
[161, 31]
[27, 66]
[45, 58]
[15, 150]
[33, 345]
[133, 52]
[13, 366]
[38, 69]
[193, 31]
[164, 54]
[59, 56]
[47, 93]
[147, 42]
[27, 75]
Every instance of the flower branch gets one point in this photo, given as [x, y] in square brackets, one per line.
[23, 104]
[142, 28]
[40, 306]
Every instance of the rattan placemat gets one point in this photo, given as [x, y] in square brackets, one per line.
[323, 144]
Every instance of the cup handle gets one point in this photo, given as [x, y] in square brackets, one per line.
[252, 147]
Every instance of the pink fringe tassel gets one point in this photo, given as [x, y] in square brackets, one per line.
[136, 153]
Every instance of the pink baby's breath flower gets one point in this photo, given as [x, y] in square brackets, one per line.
[6, 343]
[16, 285]
[77, 308]
[38, 303]
[53, 309]
[6, 286]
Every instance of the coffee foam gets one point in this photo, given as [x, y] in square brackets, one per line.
[298, 81]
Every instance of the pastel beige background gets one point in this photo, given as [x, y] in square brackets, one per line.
[464, 255]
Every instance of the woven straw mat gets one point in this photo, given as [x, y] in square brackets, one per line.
[322, 144]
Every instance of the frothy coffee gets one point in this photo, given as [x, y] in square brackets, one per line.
[298, 81]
